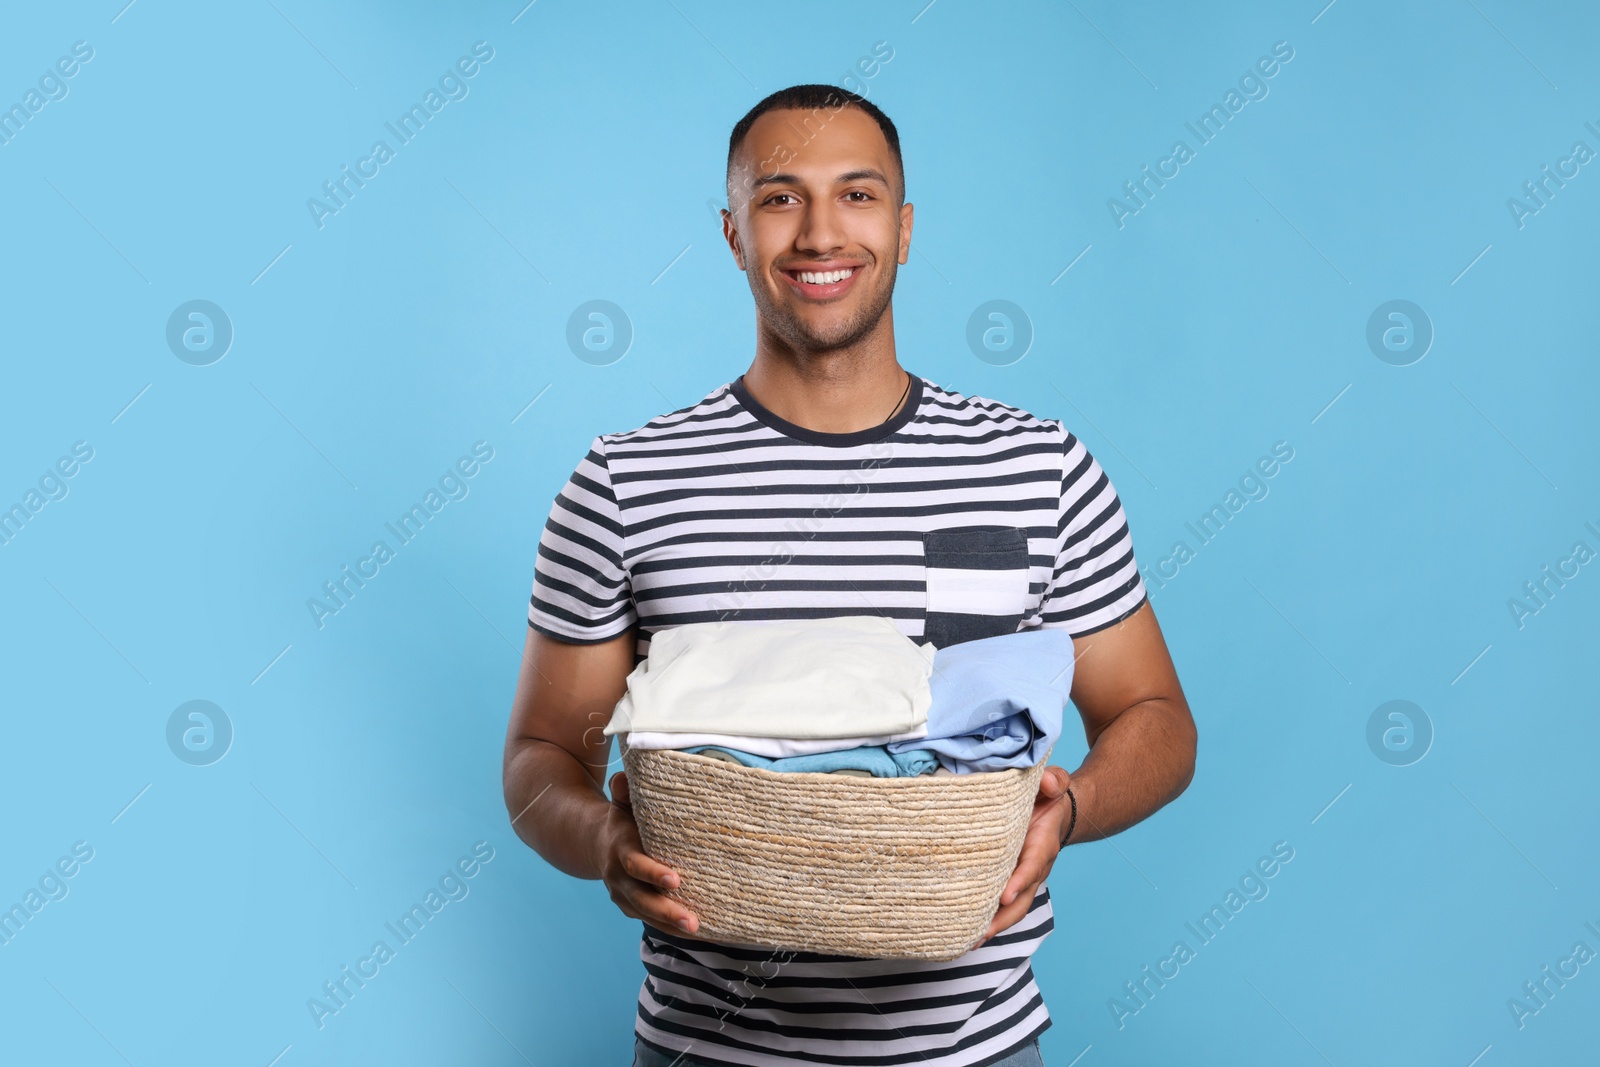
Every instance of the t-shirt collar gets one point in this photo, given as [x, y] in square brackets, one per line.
[907, 412]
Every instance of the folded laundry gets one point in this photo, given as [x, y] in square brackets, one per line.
[846, 676]
[874, 760]
[772, 747]
[997, 701]
[728, 757]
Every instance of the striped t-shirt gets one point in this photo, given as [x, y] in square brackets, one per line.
[958, 518]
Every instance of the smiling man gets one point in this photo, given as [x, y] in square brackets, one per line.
[827, 480]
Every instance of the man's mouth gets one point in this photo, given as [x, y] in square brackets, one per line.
[822, 284]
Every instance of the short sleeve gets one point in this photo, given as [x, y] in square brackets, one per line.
[581, 590]
[1096, 580]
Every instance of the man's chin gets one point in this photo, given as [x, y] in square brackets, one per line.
[832, 329]
[827, 342]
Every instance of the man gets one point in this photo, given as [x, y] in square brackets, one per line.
[828, 481]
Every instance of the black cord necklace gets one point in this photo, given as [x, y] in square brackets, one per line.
[902, 399]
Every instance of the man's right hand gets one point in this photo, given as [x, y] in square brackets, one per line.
[632, 877]
[554, 741]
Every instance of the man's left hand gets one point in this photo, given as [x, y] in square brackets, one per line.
[1039, 850]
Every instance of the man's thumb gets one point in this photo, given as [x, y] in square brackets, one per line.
[619, 789]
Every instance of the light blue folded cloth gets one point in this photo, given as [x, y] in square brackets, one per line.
[874, 758]
[997, 701]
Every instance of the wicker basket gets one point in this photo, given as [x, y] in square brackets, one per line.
[881, 868]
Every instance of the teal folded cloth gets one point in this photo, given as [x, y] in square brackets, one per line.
[875, 759]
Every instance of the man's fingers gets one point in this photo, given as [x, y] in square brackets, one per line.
[639, 901]
[662, 910]
[638, 892]
[1033, 863]
[1030, 869]
[645, 869]
[1040, 846]
[1039, 849]
[1007, 914]
[630, 853]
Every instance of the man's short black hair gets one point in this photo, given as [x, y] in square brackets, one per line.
[823, 101]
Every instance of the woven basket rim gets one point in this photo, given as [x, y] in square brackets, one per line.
[897, 782]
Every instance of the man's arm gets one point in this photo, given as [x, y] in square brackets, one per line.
[555, 766]
[1141, 752]
[1141, 734]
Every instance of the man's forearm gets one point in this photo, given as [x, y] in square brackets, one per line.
[1140, 762]
[555, 806]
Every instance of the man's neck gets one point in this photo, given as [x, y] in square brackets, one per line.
[830, 392]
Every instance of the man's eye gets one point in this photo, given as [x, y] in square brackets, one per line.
[770, 199]
[860, 192]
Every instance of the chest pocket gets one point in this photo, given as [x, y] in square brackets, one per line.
[977, 580]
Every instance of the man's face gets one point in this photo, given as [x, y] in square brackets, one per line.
[813, 191]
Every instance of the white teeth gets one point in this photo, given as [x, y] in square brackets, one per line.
[813, 278]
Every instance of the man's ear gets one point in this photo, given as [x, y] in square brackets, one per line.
[730, 233]
[905, 232]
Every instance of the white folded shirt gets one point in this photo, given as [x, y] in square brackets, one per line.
[771, 747]
[843, 677]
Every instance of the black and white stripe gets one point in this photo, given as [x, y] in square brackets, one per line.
[959, 518]
[776, 1009]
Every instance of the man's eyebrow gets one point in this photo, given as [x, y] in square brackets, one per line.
[784, 178]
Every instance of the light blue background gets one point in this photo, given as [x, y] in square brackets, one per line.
[1228, 314]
